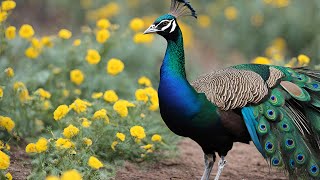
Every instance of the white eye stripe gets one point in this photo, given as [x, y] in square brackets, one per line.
[174, 25]
[167, 26]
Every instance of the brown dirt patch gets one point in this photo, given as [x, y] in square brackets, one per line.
[20, 164]
[244, 163]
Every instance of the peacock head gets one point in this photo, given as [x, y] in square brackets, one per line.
[166, 25]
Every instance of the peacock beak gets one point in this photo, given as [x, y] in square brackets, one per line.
[151, 29]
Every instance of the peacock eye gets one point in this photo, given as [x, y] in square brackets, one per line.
[165, 23]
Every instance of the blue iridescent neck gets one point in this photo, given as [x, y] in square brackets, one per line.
[173, 64]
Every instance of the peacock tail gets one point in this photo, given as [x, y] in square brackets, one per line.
[285, 127]
[280, 107]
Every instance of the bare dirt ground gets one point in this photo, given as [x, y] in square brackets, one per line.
[20, 165]
[244, 163]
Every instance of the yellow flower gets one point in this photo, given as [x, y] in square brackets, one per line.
[94, 163]
[64, 143]
[76, 76]
[87, 141]
[36, 43]
[43, 93]
[7, 147]
[110, 96]
[79, 105]
[24, 95]
[10, 32]
[103, 24]
[153, 94]
[231, 13]
[277, 3]
[147, 147]
[56, 70]
[31, 148]
[46, 105]
[52, 178]
[102, 113]
[70, 131]
[66, 93]
[113, 145]
[261, 60]
[46, 40]
[77, 92]
[1, 92]
[154, 103]
[3, 15]
[60, 112]
[115, 66]
[106, 11]
[18, 85]
[204, 21]
[32, 52]
[142, 115]
[7, 123]
[85, 123]
[65, 34]
[121, 107]
[136, 24]
[77, 42]
[140, 38]
[9, 72]
[303, 60]
[97, 95]
[86, 4]
[141, 95]
[8, 5]
[42, 145]
[93, 56]
[71, 175]
[26, 31]
[156, 138]
[137, 132]
[144, 81]
[102, 36]
[4, 160]
[257, 20]
[121, 136]
[8, 176]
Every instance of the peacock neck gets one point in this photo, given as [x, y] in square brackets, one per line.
[174, 62]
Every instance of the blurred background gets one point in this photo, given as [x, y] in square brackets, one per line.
[226, 32]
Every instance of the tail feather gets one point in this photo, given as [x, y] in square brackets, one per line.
[288, 124]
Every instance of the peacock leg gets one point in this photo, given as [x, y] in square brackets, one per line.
[221, 165]
[208, 161]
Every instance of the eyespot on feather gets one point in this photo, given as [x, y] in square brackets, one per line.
[289, 143]
[300, 158]
[263, 126]
[313, 168]
[276, 98]
[292, 164]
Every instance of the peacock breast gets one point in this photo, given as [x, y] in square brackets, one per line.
[177, 98]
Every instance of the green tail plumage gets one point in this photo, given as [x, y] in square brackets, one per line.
[288, 124]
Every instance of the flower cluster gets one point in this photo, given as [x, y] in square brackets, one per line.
[72, 97]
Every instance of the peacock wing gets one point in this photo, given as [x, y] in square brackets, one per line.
[237, 86]
[285, 127]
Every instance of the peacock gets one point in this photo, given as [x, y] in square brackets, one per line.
[278, 108]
